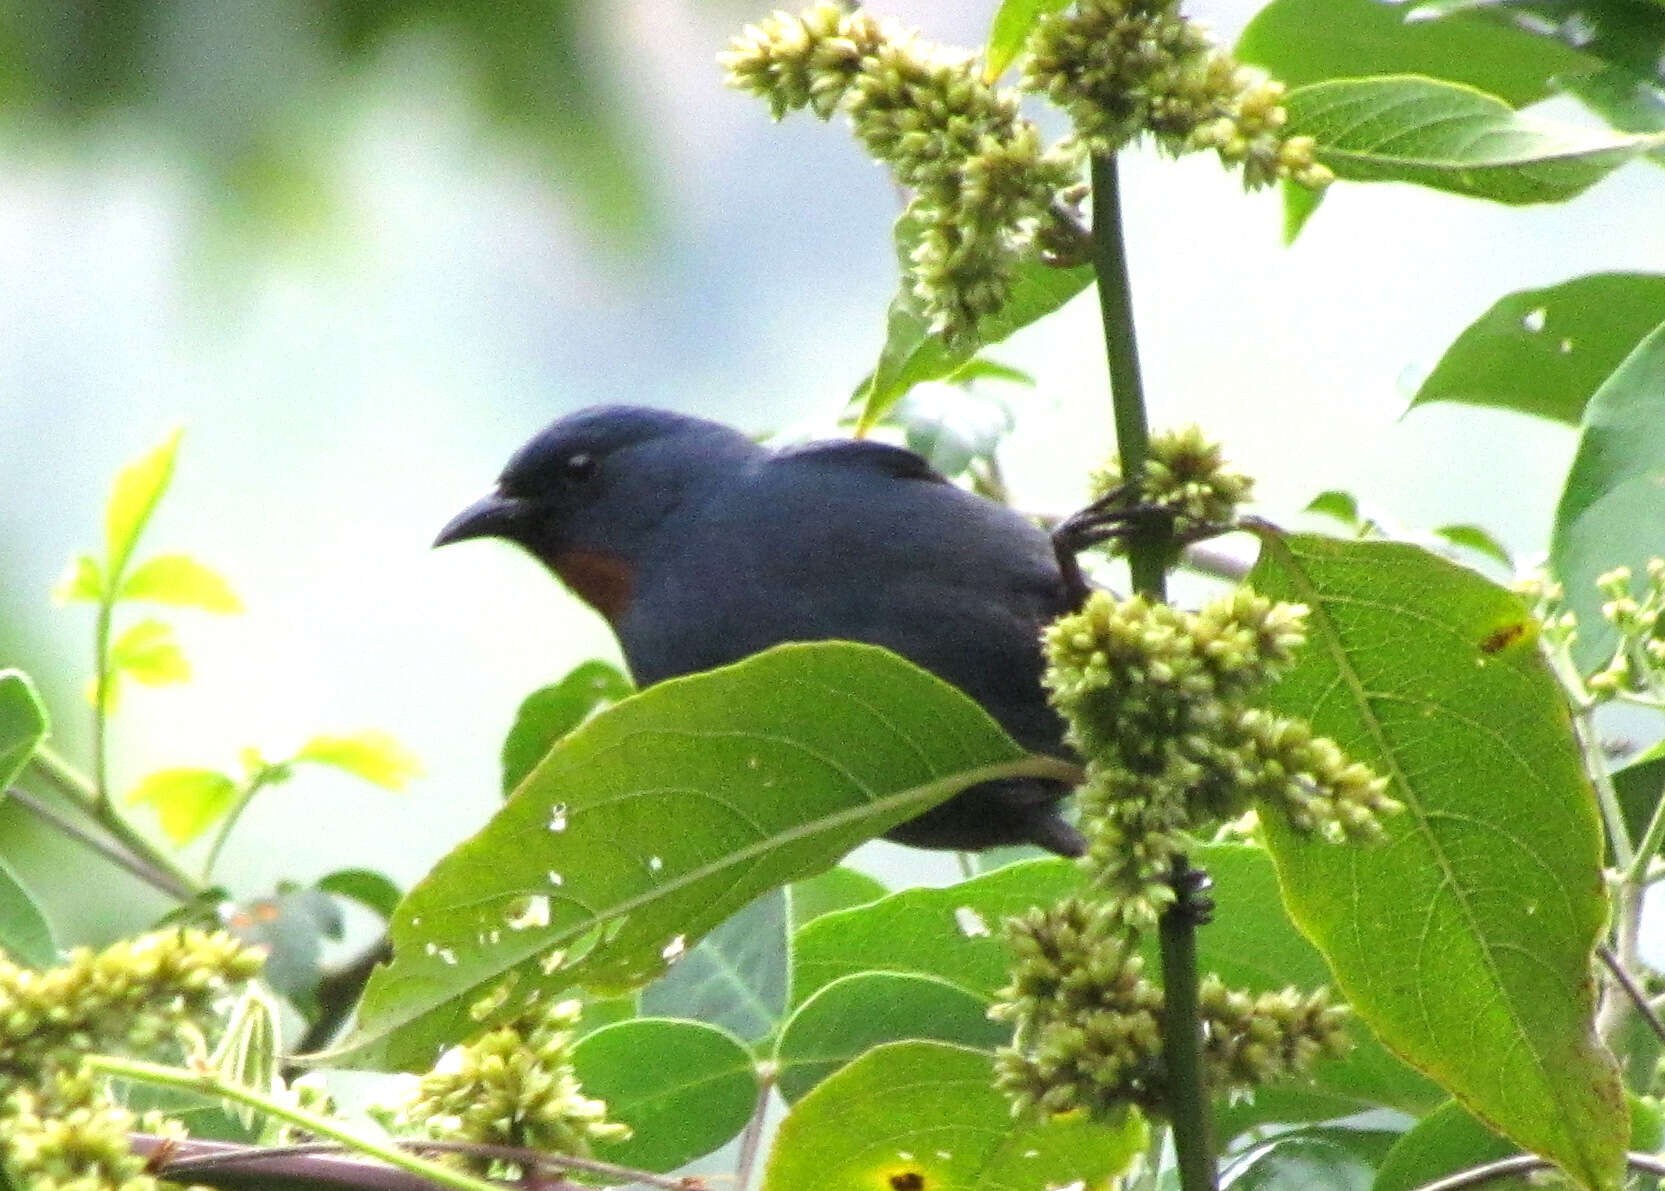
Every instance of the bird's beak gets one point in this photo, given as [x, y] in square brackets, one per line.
[494, 516]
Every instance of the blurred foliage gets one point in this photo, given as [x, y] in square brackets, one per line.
[251, 90]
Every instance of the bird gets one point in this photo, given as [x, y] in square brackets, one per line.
[701, 546]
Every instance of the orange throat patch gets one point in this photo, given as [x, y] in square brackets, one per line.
[603, 581]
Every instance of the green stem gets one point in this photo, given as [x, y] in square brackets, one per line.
[208, 1084]
[1148, 559]
[101, 702]
[258, 782]
[142, 858]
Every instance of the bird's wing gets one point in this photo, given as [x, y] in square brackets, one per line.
[896, 462]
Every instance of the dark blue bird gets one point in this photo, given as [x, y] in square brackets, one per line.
[701, 547]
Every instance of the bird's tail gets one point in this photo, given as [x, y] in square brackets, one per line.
[1049, 830]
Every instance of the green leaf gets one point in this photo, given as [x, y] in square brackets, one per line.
[1334, 503]
[1442, 1143]
[138, 489]
[25, 936]
[683, 1087]
[1479, 540]
[374, 756]
[1299, 205]
[374, 891]
[1490, 880]
[1625, 34]
[951, 934]
[83, 581]
[550, 713]
[980, 368]
[1546, 351]
[1309, 41]
[190, 801]
[836, 889]
[1628, 102]
[1333, 1159]
[23, 724]
[1612, 506]
[912, 354]
[1452, 138]
[1640, 785]
[735, 978]
[663, 815]
[148, 653]
[926, 1114]
[853, 1014]
[181, 580]
[1014, 21]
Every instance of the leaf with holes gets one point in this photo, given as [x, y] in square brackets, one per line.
[1612, 508]
[1546, 351]
[665, 814]
[1465, 940]
[1409, 129]
[735, 978]
[683, 1087]
[849, 1017]
[911, 1116]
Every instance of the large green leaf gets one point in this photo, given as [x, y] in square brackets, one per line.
[1309, 41]
[853, 1014]
[683, 1087]
[736, 977]
[1546, 351]
[1627, 102]
[1612, 508]
[665, 814]
[1406, 128]
[836, 889]
[912, 355]
[1465, 940]
[925, 1115]
[23, 724]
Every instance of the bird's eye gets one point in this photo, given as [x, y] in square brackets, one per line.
[578, 468]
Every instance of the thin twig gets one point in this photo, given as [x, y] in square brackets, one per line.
[751, 1140]
[1474, 1176]
[1634, 991]
[140, 867]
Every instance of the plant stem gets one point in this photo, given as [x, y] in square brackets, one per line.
[209, 1084]
[101, 700]
[751, 1139]
[141, 854]
[140, 868]
[254, 785]
[1148, 558]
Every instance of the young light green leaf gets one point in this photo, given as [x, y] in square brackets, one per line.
[926, 1114]
[1308, 41]
[1405, 128]
[551, 712]
[836, 889]
[180, 580]
[1613, 505]
[148, 653]
[374, 891]
[374, 756]
[849, 1017]
[83, 581]
[912, 354]
[190, 801]
[666, 813]
[1299, 205]
[138, 489]
[23, 724]
[1479, 540]
[1014, 21]
[1342, 506]
[25, 935]
[736, 977]
[1490, 878]
[683, 1087]
[1546, 351]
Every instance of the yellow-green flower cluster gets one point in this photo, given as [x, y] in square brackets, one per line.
[1187, 474]
[1087, 1023]
[514, 1086]
[1157, 700]
[59, 1130]
[1122, 68]
[983, 181]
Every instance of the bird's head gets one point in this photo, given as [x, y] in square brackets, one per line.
[588, 494]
